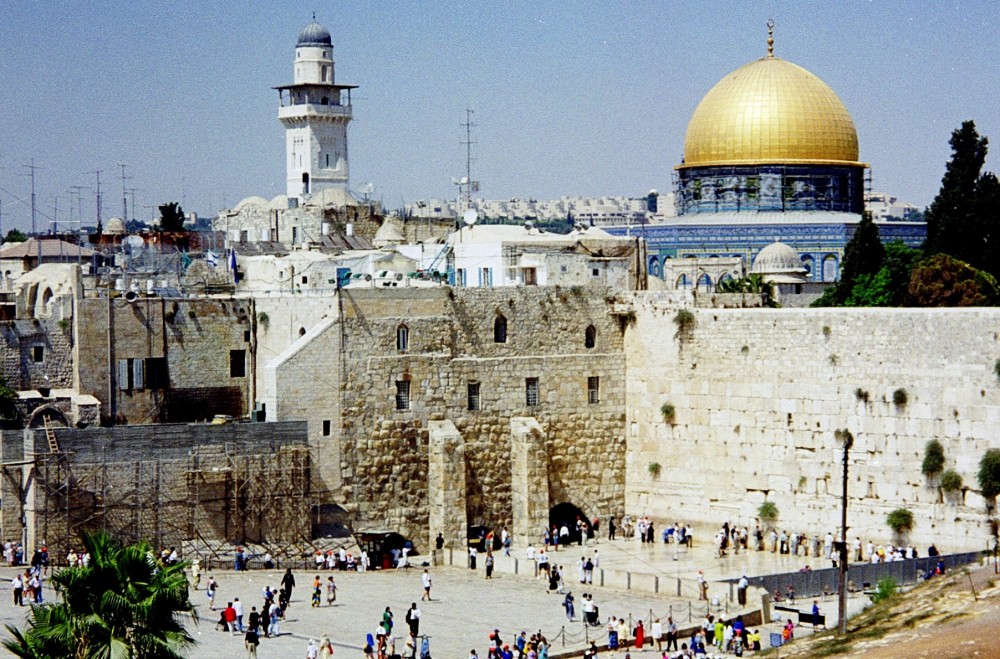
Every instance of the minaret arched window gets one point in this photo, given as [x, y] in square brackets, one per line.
[500, 329]
[590, 337]
[322, 75]
[402, 338]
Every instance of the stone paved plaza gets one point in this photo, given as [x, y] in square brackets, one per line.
[466, 606]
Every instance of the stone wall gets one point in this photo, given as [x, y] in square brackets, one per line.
[759, 393]
[23, 367]
[384, 450]
[163, 483]
[195, 336]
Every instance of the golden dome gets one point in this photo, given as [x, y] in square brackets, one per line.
[770, 112]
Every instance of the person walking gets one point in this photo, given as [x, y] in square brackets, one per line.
[331, 591]
[489, 565]
[426, 579]
[413, 620]
[568, 605]
[741, 590]
[288, 583]
[210, 590]
[18, 585]
[325, 647]
[250, 642]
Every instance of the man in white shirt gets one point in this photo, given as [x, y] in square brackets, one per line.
[426, 580]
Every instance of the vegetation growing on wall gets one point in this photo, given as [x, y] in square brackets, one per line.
[951, 481]
[669, 413]
[933, 462]
[654, 469]
[685, 322]
[899, 397]
[989, 474]
[900, 521]
[768, 512]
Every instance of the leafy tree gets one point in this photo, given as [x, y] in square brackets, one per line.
[943, 281]
[15, 236]
[123, 604]
[963, 219]
[8, 401]
[863, 255]
[171, 217]
[989, 473]
[933, 459]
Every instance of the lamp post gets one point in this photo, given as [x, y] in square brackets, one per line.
[846, 440]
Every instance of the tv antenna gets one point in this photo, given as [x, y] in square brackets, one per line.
[467, 184]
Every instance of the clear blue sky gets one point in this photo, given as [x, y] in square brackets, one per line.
[570, 97]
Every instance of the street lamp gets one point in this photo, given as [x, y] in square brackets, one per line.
[845, 439]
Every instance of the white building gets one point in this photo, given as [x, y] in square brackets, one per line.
[499, 255]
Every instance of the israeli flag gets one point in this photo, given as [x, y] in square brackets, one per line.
[232, 266]
[212, 258]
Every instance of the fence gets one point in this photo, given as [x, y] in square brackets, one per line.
[860, 576]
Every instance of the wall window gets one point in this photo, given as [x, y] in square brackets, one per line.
[500, 329]
[472, 397]
[237, 363]
[156, 373]
[595, 272]
[590, 337]
[402, 394]
[402, 338]
[486, 277]
[460, 277]
[326, 427]
[593, 390]
[38, 354]
[531, 392]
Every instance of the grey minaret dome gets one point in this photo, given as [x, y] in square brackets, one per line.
[314, 34]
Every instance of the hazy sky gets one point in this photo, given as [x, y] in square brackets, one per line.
[570, 97]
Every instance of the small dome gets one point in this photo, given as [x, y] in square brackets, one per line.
[780, 263]
[314, 34]
[115, 227]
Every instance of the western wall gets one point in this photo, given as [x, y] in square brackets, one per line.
[759, 393]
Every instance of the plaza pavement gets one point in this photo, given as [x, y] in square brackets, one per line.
[466, 606]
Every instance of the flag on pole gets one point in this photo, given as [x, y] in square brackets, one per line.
[212, 258]
[232, 266]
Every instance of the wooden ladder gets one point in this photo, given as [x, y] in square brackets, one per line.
[50, 434]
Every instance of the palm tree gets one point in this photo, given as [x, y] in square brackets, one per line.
[122, 604]
[754, 284]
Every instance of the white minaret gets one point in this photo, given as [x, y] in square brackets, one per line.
[315, 113]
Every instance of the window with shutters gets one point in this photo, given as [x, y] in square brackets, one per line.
[131, 374]
[472, 397]
[593, 390]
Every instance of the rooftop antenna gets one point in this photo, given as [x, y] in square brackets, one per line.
[470, 184]
[34, 230]
[98, 195]
[770, 37]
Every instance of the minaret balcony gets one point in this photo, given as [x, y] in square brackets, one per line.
[314, 110]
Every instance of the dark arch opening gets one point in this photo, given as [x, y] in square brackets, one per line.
[567, 514]
[590, 337]
[500, 330]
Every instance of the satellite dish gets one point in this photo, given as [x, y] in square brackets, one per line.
[469, 217]
[528, 224]
[134, 242]
[367, 188]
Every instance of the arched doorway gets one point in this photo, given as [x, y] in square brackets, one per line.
[567, 514]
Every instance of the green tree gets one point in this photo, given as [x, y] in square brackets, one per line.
[122, 604]
[963, 218]
[989, 473]
[8, 401]
[900, 521]
[15, 236]
[171, 217]
[752, 284]
[943, 281]
[863, 255]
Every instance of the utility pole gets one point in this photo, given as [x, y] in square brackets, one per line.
[470, 185]
[34, 229]
[124, 195]
[55, 215]
[132, 192]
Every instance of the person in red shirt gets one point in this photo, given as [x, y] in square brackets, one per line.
[229, 613]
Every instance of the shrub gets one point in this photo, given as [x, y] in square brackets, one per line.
[654, 469]
[933, 459]
[826, 331]
[669, 413]
[900, 520]
[886, 590]
[861, 395]
[833, 359]
[951, 481]
[768, 512]
[264, 320]
[899, 397]
[989, 473]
